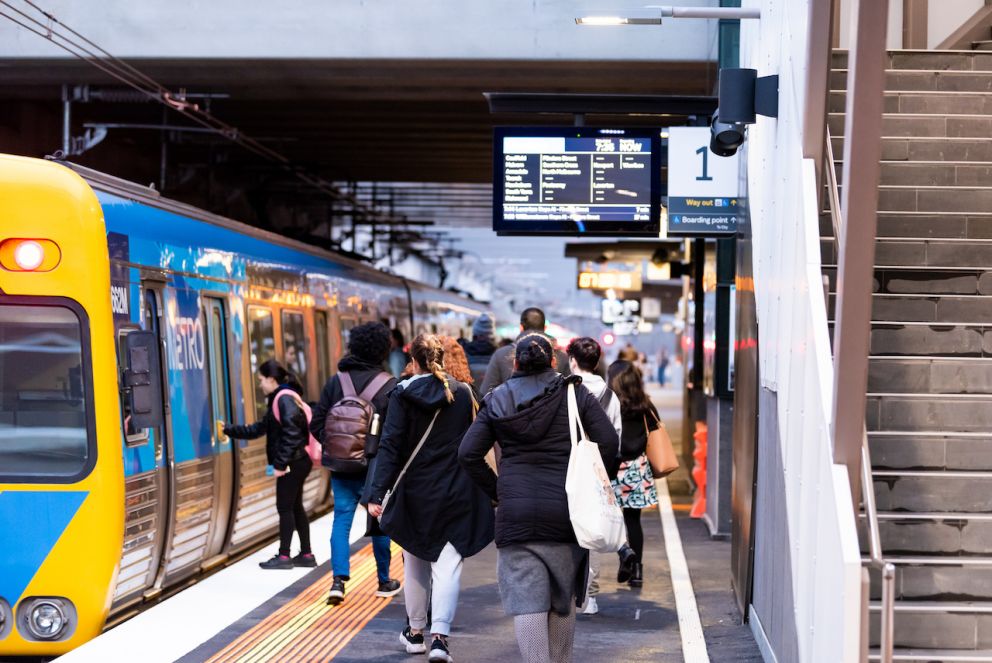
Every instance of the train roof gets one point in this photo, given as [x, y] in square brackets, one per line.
[152, 198]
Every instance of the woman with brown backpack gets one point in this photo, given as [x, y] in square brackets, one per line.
[346, 421]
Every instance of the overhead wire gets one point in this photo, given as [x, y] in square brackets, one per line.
[155, 91]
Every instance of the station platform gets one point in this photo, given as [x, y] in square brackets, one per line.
[684, 612]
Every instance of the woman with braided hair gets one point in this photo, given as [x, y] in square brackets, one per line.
[434, 510]
[541, 568]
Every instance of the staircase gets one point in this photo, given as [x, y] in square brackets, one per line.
[929, 411]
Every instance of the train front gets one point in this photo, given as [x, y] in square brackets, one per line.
[61, 485]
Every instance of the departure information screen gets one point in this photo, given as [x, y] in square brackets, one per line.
[576, 180]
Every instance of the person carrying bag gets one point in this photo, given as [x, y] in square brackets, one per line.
[428, 504]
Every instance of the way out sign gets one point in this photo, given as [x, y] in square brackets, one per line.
[702, 187]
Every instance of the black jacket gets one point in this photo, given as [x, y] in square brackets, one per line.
[361, 373]
[501, 366]
[285, 441]
[435, 502]
[528, 415]
[634, 435]
[479, 353]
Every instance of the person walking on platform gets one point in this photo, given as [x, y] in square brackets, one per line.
[634, 483]
[347, 421]
[398, 357]
[433, 511]
[532, 321]
[583, 359]
[285, 428]
[628, 353]
[541, 568]
[481, 348]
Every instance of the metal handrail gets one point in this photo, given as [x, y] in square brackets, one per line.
[875, 558]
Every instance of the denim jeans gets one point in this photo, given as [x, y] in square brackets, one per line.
[347, 492]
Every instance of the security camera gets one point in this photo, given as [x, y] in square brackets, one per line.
[727, 137]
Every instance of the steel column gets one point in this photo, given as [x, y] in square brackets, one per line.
[856, 247]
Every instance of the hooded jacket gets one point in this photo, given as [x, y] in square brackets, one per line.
[285, 441]
[479, 352]
[435, 502]
[361, 373]
[501, 365]
[597, 386]
[528, 415]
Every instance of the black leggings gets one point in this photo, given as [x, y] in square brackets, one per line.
[289, 504]
[635, 535]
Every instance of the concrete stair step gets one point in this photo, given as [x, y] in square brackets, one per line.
[926, 225]
[926, 148]
[956, 626]
[947, 535]
[920, 339]
[932, 60]
[983, 45]
[932, 173]
[928, 375]
[930, 490]
[923, 102]
[937, 578]
[915, 655]
[930, 412]
[948, 254]
[924, 125]
[934, 198]
[951, 309]
[921, 450]
[945, 80]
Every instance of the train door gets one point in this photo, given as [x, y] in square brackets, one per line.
[162, 487]
[220, 408]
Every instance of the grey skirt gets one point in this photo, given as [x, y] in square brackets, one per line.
[540, 577]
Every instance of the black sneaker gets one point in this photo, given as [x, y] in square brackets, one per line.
[337, 592]
[627, 560]
[439, 651]
[389, 588]
[277, 562]
[306, 560]
[414, 643]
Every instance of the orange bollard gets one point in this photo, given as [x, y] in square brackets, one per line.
[699, 471]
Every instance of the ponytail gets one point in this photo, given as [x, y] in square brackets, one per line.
[428, 352]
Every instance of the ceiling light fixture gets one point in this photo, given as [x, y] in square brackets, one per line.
[659, 12]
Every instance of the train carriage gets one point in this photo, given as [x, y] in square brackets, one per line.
[130, 330]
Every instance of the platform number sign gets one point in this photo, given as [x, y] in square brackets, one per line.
[702, 187]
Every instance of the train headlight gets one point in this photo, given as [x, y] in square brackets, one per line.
[47, 620]
[5, 619]
[29, 255]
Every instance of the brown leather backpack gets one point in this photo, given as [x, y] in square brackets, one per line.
[348, 424]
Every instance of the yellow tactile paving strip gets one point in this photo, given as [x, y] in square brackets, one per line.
[306, 628]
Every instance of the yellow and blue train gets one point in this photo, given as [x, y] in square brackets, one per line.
[130, 329]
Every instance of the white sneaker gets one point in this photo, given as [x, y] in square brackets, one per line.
[591, 607]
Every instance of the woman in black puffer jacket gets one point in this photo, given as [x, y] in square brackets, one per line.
[541, 568]
[286, 438]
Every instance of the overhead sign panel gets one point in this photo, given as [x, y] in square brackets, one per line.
[576, 181]
[702, 187]
[615, 280]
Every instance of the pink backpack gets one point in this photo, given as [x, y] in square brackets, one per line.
[313, 446]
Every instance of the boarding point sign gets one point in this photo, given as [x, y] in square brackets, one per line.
[702, 187]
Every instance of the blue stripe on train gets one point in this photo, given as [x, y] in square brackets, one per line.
[31, 522]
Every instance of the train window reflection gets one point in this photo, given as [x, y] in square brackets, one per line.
[294, 344]
[261, 338]
[42, 399]
[323, 347]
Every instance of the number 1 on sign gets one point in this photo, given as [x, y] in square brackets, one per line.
[705, 177]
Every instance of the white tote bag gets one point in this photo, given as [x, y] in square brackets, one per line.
[592, 506]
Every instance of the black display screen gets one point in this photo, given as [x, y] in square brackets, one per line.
[576, 181]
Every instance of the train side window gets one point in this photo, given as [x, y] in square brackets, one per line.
[294, 344]
[322, 331]
[262, 343]
[133, 437]
[347, 324]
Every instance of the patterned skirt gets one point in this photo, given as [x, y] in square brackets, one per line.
[634, 485]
